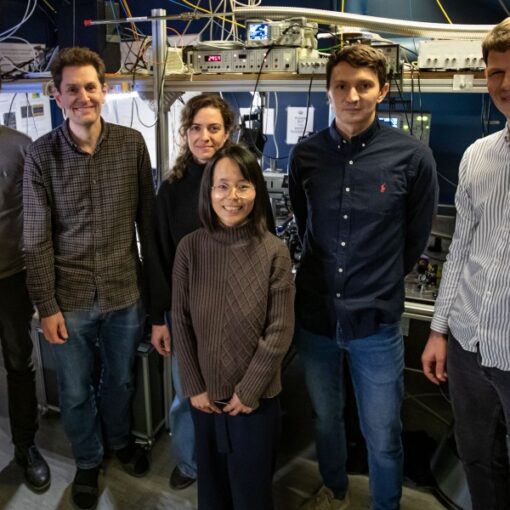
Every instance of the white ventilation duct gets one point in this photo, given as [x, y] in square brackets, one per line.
[373, 23]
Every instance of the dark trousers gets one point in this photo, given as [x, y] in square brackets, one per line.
[236, 457]
[15, 317]
[481, 406]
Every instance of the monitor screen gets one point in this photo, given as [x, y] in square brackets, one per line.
[390, 121]
[258, 32]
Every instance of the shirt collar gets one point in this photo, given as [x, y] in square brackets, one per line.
[356, 141]
[507, 134]
[67, 134]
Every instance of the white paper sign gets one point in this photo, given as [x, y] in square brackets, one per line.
[297, 118]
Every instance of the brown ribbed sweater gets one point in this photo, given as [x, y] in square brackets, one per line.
[232, 313]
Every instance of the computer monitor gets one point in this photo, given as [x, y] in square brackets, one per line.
[416, 124]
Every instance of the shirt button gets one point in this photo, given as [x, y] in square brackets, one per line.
[343, 243]
[338, 294]
[347, 189]
[351, 162]
[340, 270]
[363, 145]
[345, 216]
[94, 181]
[344, 141]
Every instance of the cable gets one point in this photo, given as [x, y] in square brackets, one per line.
[444, 12]
[176, 32]
[451, 183]
[197, 7]
[140, 120]
[504, 7]
[74, 23]
[50, 7]
[10, 110]
[29, 10]
[309, 94]
[275, 138]
[130, 15]
[403, 102]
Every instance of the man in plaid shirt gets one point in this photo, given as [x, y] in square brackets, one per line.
[88, 190]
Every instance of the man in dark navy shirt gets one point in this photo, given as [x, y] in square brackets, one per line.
[363, 196]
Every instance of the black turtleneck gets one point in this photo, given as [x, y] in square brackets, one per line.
[176, 215]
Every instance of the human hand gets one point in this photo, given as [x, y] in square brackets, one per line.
[160, 339]
[204, 404]
[235, 406]
[54, 328]
[433, 359]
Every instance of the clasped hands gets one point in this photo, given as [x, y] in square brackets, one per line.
[203, 403]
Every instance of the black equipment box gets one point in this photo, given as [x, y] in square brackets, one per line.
[149, 400]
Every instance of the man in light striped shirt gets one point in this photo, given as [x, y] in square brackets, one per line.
[474, 299]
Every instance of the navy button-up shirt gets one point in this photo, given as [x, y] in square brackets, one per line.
[363, 209]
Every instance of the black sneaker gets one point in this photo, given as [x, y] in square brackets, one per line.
[178, 480]
[35, 468]
[84, 490]
[134, 460]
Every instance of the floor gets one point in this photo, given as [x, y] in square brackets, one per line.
[296, 477]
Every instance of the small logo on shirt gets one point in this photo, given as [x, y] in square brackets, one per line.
[382, 187]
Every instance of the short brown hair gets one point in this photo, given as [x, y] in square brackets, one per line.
[76, 56]
[498, 39]
[192, 107]
[250, 169]
[359, 55]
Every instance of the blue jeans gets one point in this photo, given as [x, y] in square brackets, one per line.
[92, 418]
[481, 408]
[181, 427]
[376, 364]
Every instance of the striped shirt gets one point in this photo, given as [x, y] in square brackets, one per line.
[80, 212]
[474, 297]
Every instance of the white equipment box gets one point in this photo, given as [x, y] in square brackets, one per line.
[453, 55]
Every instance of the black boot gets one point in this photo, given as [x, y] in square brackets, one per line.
[35, 468]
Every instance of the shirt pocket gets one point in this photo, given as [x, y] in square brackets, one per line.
[382, 192]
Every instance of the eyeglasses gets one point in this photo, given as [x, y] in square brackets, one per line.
[241, 190]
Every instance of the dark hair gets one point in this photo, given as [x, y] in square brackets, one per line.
[498, 39]
[359, 55]
[188, 113]
[76, 56]
[250, 169]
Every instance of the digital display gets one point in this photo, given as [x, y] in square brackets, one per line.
[212, 58]
[258, 32]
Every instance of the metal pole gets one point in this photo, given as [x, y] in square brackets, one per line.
[159, 46]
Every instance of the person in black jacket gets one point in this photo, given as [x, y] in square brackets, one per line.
[206, 124]
[16, 312]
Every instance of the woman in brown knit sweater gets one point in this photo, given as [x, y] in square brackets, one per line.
[233, 320]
